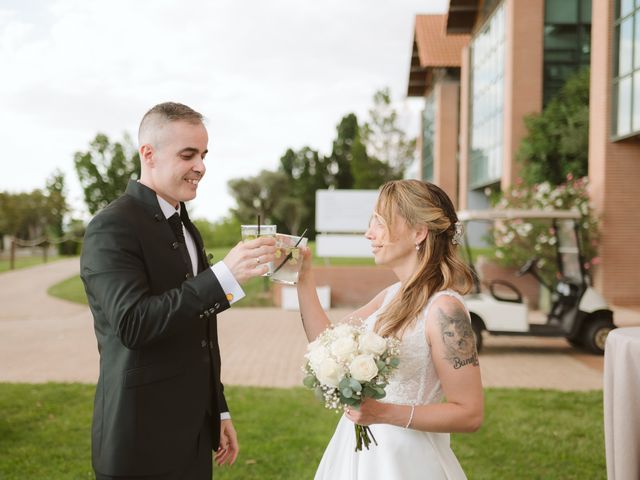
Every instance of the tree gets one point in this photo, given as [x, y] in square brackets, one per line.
[105, 169]
[383, 137]
[339, 162]
[350, 164]
[258, 195]
[306, 171]
[56, 202]
[223, 233]
[557, 143]
[33, 215]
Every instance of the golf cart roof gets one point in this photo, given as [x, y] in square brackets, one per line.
[512, 214]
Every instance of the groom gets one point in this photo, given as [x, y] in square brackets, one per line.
[159, 408]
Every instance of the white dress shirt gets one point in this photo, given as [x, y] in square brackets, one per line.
[227, 281]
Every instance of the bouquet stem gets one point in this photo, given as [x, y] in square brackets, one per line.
[364, 436]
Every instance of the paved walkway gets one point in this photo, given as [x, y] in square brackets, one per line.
[45, 339]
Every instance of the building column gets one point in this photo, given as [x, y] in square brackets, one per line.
[523, 77]
[445, 164]
[614, 173]
[464, 127]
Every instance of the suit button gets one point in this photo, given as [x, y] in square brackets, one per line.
[157, 217]
[175, 245]
[201, 316]
[217, 306]
[188, 276]
[203, 343]
[212, 310]
[211, 344]
[207, 314]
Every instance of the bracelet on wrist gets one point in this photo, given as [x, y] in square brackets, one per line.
[413, 407]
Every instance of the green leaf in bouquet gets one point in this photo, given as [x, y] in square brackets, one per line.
[355, 385]
[344, 383]
[379, 393]
[310, 381]
[346, 392]
[319, 393]
[369, 391]
[395, 361]
[380, 364]
[353, 402]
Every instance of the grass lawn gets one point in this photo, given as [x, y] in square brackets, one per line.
[527, 434]
[24, 262]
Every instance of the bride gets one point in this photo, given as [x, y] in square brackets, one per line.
[436, 388]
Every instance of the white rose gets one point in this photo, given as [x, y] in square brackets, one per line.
[343, 348]
[363, 368]
[330, 372]
[317, 355]
[373, 343]
[342, 330]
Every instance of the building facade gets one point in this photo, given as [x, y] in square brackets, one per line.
[516, 57]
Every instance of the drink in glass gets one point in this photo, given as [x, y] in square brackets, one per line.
[288, 258]
[251, 232]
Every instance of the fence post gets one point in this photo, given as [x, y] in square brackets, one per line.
[12, 255]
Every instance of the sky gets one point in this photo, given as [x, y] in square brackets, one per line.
[267, 74]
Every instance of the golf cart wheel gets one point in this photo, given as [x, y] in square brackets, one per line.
[477, 326]
[595, 335]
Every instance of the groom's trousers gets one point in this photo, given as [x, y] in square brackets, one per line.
[201, 468]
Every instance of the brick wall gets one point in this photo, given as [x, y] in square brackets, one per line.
[350, 286]
[614, 174]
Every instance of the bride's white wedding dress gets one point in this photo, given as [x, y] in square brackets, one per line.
[402, 454]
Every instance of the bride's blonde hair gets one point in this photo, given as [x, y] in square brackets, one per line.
[421, 204]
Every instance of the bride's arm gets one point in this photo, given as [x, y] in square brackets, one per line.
[314, 318]
[454, 355]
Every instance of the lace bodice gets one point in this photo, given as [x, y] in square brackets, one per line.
[415, 381]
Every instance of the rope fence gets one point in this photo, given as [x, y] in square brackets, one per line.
[45, 242]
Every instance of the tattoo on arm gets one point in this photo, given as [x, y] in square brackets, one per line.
[458, 339]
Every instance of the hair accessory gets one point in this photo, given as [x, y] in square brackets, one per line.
[458, 232]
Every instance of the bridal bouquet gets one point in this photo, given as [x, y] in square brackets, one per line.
[346, 364]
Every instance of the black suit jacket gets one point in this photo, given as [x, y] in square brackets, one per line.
[157, 336]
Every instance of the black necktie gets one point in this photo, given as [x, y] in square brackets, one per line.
[176, 226]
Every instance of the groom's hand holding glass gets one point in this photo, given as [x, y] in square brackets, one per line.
[250, 258]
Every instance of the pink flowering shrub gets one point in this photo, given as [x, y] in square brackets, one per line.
[517, 241]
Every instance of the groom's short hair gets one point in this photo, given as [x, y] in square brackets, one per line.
[163, 113]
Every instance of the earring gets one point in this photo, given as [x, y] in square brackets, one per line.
[417, 246]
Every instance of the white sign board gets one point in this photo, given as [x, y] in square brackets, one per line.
[341, 245]
[344, 211]
[290, 297]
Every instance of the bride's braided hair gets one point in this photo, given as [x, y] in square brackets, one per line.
[422, 204]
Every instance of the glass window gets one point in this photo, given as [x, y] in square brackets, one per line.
[487, 90]
[428, 133]
[561, 11]
[624, 106]
[636, 101]
[626, 6]
[626, 84]
[567, 46]
[625, 46]
[636, 41]
[585, 11]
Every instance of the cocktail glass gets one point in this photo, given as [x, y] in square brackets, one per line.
[251, 232]
[288, 258]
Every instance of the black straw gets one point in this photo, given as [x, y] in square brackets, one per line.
[258, 224]
[289, 254]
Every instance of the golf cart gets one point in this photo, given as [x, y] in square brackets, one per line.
[576, 312]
